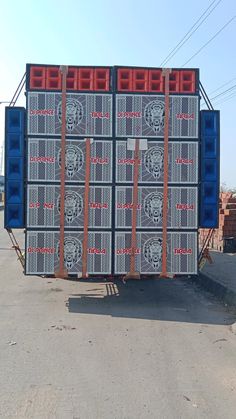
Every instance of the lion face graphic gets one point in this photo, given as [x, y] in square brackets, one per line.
[73, 205]
[74, 113]
[154, 115]
[153, 206]
[72, 251]
[154, 161]
[74, 160]
[152, 251]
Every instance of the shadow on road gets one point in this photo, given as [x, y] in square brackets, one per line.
[165, 300]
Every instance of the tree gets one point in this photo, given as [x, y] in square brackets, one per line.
[225, 188]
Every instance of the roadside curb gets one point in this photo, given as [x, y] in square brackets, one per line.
[222, 292]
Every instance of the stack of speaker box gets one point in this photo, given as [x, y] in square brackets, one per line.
[113, 106]
[140, 113]
[14, 167]
[88, 114]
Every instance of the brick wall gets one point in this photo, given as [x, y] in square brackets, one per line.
[224, 237]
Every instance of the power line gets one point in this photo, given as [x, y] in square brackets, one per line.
[226, 99]
[223, 93]
[190, 33]
[223, 85]
[208, 42]
[222, 100]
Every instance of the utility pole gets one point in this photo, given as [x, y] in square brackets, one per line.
[1, 160]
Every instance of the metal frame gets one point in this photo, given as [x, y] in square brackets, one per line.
[166, 74]
[62, 273]
[133, 274]
[86, 208]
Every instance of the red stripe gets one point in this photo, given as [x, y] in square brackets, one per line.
[166, 73]
[86, 208]
[134, 211]
[62, 272]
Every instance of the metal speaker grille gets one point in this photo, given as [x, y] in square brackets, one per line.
[86, 114]
[181, 253]
[44, 160]
[43, 209]
[144, 115]
[183, 163]
[182, 207]
[42, 252]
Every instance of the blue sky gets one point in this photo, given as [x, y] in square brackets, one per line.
[128, 32]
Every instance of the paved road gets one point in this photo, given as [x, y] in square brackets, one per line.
[155, 349]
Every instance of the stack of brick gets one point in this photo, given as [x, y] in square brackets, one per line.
[224, 237]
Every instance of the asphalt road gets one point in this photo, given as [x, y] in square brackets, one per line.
[153, 349]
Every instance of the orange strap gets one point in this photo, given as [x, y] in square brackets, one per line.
[166, 74]
[134, 211]
[86, 208]
[62, 272]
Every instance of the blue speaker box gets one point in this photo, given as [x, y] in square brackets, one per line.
[210, 147]
[14, 167]
[14, 192]
[14, 216]
[209, 123]
[210, 169]
[15, 119]
[14, 144]
[209, 215]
